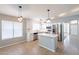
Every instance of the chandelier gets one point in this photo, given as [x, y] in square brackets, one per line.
[20, 18]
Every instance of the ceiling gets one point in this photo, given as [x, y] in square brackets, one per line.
[40, 10]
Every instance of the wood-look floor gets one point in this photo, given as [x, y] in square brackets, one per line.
[30, 48]
[70, 46]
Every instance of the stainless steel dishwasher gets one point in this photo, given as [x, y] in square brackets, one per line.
[35, 36]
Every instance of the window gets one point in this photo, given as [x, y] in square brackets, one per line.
[7, 29]
[44, 26]
[66, 28]
[73, 22]
[11, 29]
[36, 26]
[73, 27]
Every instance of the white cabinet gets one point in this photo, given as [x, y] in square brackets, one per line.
[48, 42]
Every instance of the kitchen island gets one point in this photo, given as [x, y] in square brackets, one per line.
[48, 41]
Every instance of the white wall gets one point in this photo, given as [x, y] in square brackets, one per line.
[29, 34]
[4, 43]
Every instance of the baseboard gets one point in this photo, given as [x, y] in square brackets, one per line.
[13, 44]
[47, 48]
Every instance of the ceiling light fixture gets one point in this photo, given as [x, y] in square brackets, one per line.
[48, 19]
[20, 18]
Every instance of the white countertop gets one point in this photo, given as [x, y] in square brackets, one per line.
[48, 35]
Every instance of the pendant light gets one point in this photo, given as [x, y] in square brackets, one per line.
[48, 19]
[20, 18]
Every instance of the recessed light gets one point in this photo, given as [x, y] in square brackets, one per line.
[75, 10]
[52, 17]
[62, 14]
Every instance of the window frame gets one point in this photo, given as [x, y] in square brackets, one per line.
[12, 31]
